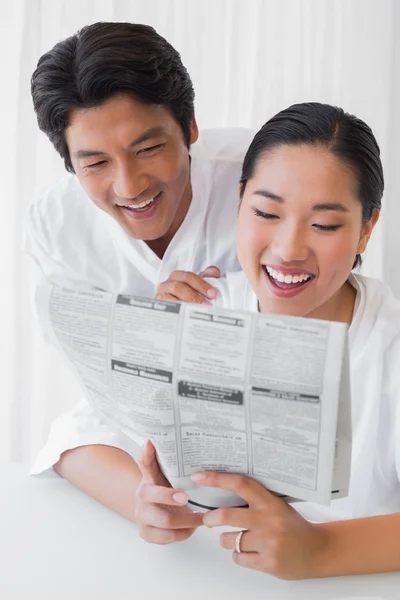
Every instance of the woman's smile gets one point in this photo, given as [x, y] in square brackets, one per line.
[285, 284]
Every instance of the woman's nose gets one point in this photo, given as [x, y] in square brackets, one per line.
[292, 245]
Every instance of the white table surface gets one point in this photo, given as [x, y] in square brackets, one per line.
[58, 544]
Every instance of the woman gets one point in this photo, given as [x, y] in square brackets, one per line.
[311, 191]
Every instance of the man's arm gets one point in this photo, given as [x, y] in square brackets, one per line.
[107, 474]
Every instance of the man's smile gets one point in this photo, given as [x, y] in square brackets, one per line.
[141, 210]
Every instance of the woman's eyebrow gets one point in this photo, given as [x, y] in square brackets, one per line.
[334, 206]
[331, 206]
[269, 195]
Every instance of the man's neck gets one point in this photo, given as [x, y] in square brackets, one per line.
[160, 245]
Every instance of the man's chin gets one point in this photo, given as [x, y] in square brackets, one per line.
[148, 236]
[156, 237]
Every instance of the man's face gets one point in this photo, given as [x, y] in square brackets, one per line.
[132, 161]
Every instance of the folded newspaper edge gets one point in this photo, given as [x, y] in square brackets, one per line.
[267, 396]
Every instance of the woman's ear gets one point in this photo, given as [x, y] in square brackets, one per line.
[240, 191]
[367, 230]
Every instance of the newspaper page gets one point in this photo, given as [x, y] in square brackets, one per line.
[267, 396]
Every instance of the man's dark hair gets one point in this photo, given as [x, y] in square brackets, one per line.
[104, 60]
[344, 135]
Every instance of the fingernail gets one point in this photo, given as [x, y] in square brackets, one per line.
[147, 451]
[198, 477]
[180, 498]
[208, 520]
[211, 293]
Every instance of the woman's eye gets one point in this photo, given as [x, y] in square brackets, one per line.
[327, 227]
[150, 149]
[265, 215]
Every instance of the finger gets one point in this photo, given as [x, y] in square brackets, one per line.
[211, 272]
[164, 296]
[182, 292]
[249, 542]
[250, 560]
[248, 489]
[155, 515]
[149, 466]
[234, 517]
[153, 535]
[156, 494]
[196, 282]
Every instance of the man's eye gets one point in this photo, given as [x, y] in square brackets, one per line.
[264, 215]
[150, 149]
[97, 164]
[327, 227]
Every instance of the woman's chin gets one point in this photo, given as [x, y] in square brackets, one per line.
[273, 306]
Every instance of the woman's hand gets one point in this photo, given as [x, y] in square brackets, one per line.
[161, 512]
[277, 539]
[185, 286]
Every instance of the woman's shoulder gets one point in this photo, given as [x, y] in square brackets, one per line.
[379, 308]
[380, 297]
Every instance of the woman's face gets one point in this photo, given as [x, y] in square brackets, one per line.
[299, 230]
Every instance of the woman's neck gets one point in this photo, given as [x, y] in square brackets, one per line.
[339, 307]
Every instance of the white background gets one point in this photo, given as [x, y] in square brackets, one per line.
[248, 59]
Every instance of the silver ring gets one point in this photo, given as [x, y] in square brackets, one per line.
[238, 540]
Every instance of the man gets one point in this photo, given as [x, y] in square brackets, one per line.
[140, 202]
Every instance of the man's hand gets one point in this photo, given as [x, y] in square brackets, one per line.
[161, 512]
[185, 286]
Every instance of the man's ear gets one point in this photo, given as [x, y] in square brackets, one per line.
[367, 230]
[194, 131]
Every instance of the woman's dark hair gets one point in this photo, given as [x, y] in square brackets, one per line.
[343, 134]
[101, 61]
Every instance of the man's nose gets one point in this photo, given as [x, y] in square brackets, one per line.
[129, 183]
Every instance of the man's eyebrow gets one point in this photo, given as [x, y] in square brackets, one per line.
[334, 206]
[88, 153]
[146, 135]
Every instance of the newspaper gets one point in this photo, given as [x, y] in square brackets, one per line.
[267, 396]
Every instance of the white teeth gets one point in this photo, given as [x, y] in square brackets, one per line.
[287, 278]
[141, 205]
[144, 204]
